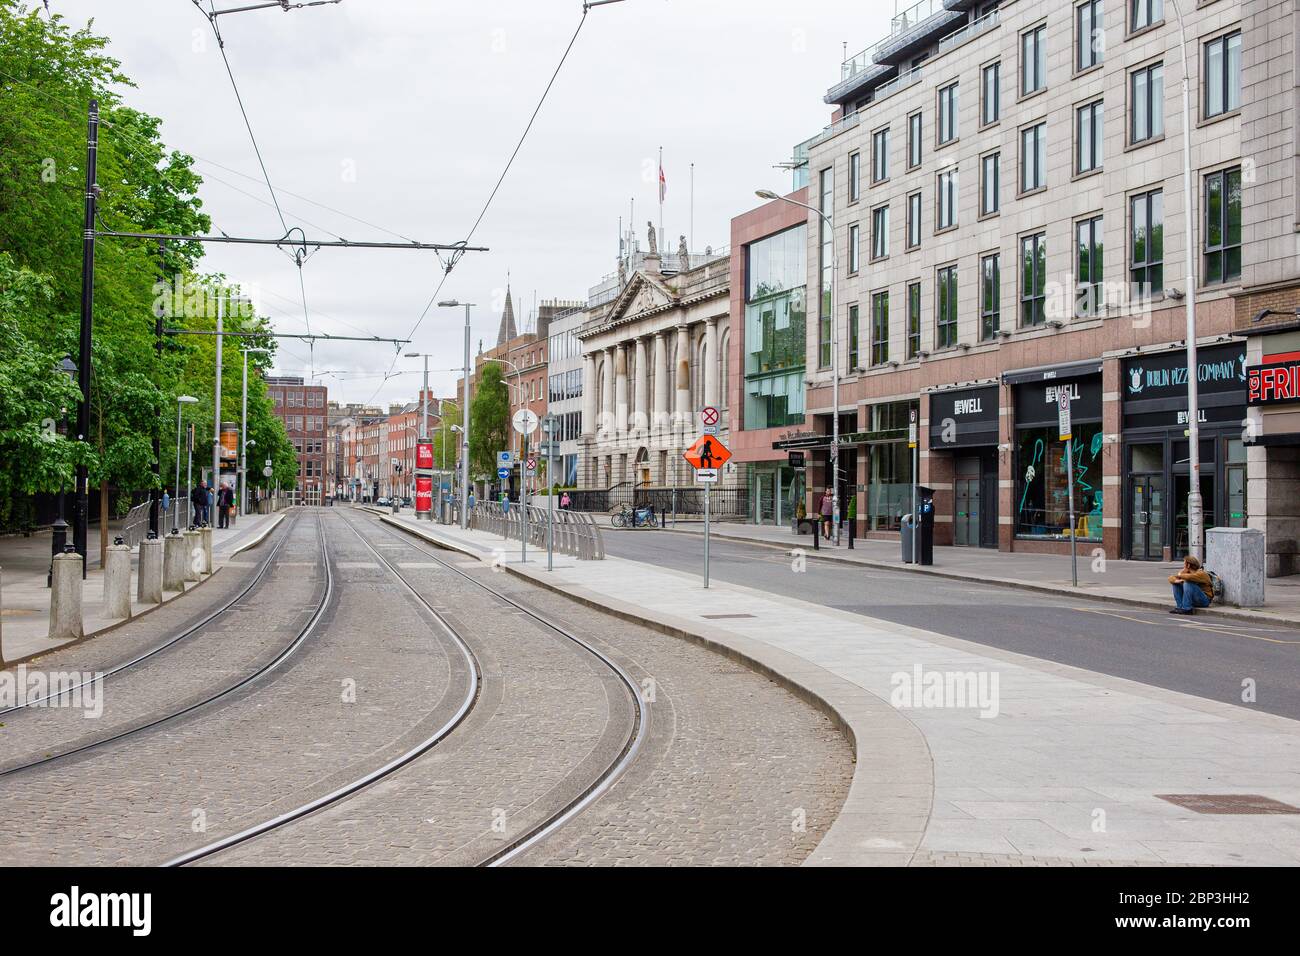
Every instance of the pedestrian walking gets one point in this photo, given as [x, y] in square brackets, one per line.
[166, 504]
[210, 512]
[565, 501]
[827, 510]
[226, 503]
[1192, 587]
[199, 501]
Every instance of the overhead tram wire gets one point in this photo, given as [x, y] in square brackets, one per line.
[455, 257]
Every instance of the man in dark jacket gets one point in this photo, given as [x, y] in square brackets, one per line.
[225, 501]
[199, 501]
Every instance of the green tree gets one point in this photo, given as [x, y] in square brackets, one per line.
[489, 427]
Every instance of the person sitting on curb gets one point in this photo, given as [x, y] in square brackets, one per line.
[1192, 587]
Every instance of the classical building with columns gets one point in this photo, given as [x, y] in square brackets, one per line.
[654, 348]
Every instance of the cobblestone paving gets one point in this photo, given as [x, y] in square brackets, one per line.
[251, 757]
[928, 858]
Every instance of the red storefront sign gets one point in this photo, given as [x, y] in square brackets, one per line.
[424, 455]
[1270, 384]
[423, 494]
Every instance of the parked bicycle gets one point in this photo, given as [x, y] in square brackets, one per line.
[628, 517]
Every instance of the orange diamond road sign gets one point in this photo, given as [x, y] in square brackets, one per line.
[707, 452]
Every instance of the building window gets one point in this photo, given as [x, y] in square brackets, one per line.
[853, 337]
[1033, 280]
[1089, 131]
[990, 296]
[948, 114]
[1033, 60]
[855, 176]
[947, 199]
[913, 220]
[1223, 75]
[913, 319]
[880, 232]
[1033, 157]
[1146, 103]
[1143, 13]
[827, 182]
[990, 183]
[990, 105]
[1042, 482]
[914, 141]
[880, 328]
[1088, 293]
[880, 155]
[853, 248]
[1090, 34]
[1147, 244]
[1223, 225]
[945, 326]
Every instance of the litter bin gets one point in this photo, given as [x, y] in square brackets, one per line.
[905, 536]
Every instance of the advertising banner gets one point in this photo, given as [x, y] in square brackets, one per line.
[424, 455]
[423, 494]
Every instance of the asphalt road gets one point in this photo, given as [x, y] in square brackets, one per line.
[1208, 658]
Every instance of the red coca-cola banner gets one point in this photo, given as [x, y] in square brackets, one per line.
[423, 494]
[424, 455]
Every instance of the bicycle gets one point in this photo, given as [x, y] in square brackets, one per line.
[638, 518]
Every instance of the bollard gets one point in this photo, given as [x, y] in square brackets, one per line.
[117, 581]
[205, 536]
[853, 524]
[193, 554]
[150, 573]
[817, 530]
[174, 562]
[65, 598]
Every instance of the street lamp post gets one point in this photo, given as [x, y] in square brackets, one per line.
[181, 401]
[464, 436]
[59, 530]
[243, 436]
[835, 352]
[424, 408]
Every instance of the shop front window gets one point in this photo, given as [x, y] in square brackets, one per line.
[889, 488]
[1042, 483]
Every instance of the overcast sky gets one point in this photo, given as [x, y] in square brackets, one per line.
[403, 113]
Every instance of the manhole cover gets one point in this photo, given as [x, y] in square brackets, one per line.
[1227, 803]
[722, 617]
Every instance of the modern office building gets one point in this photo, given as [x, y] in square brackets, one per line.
[1006, 186]
[565, 386]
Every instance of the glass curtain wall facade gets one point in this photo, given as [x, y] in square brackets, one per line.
[775, 322]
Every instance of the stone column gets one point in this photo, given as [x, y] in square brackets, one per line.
[607, 395]
[663, 383]
[620, 387]
[683, 411]
[589, 394]
[642, 389]
[711, 363]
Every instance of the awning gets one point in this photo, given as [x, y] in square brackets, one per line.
[1047, 373]
[815, 442]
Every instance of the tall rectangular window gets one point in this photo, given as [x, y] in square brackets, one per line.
[1146, 103]
[945, 326]
[1223, 75]
[1143, 13]
[948, 114]
[880, 328]
[1033, 60]
[880, 232]
[947, 199]
[853, 248]
[1089, 132]
[913, 319]
[1089, 33]
[855, 176]
[914, 141]
[990, 296]
[990, 183]
[826, 205]
[853, 336]
[1223, 225]
[913, 220]
[990, 85]
[1147, 244]
[1033, 280]
[1088, 294]
[880, 155]
[1033, 157]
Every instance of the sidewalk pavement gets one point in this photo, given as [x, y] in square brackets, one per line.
[1059, 765]
[1144, 583]
[25, 600]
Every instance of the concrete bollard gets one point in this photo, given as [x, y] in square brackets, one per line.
[149, 584]
[117, 581]
[174, 562]
[193, 555]
[205, 535]
[65, 599]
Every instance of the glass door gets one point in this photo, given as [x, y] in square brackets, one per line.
[1146, 517]
[766, 497]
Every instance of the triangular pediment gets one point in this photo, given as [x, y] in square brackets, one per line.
[643, 293]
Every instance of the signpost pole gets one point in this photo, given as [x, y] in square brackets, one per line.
[523, 504]
[706, 535]
[1066, 433]
[916, 475]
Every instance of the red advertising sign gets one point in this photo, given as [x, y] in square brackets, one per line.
[1268, 384]
[423, 494]
[424, 455]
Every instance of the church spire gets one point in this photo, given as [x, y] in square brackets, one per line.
[507, 330]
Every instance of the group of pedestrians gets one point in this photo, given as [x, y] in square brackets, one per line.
[203, 501]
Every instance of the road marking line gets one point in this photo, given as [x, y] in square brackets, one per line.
[1213, 629]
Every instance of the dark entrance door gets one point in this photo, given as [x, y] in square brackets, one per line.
[1146, 502]
[967, 500]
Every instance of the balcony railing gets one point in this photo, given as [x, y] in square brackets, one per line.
[902, 81]
[915, 14]
[834, 129]
[858, 62]
[969, 31]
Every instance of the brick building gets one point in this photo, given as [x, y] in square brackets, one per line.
[302, 408]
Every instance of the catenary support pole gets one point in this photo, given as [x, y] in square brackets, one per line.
[82, 509]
